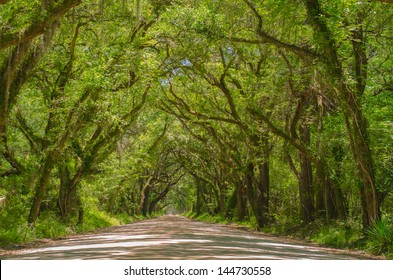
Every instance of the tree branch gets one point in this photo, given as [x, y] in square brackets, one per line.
[33, 139]
[9, 156]
[37, 28]
[264, 38]
[274, 129]
[10, 172]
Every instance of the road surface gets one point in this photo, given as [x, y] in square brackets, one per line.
[176, 237]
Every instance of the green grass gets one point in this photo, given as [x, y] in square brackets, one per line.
[338, 235]
[16, 231]
[212, 219]
[16, 235]
[95, 219]
[250, 223]
[49, 225]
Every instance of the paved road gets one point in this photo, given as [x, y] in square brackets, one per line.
[175, 237]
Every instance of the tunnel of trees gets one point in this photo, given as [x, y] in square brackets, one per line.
[274, 112]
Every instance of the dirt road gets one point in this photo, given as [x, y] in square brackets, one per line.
[175, 237]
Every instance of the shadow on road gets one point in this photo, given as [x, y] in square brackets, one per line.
[175, 237]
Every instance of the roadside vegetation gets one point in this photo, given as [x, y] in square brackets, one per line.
[378, 240]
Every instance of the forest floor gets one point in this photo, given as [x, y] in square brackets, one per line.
[176, 237]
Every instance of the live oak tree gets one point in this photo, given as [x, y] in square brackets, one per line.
[21, 53]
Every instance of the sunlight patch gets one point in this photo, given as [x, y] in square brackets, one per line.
[116, 245]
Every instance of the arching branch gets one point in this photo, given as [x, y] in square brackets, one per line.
[37, 28]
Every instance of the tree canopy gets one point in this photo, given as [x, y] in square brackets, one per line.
[277, 112]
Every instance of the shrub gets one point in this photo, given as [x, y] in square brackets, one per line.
[124, 218]
[21, 233]
[97, 219]
[49, 225]
[191, 215]
[250, 223]
[212, 219]
[13, 226]
[380, 237]
[339, 235]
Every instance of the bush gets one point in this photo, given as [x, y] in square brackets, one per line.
[380, 237]
[49, 225]
[331, 236]
[123, 218]
[97, 219]
[191, 215]
[13, 226]
[20, 234]
[250, 223]
[338, 234]
[219, 219]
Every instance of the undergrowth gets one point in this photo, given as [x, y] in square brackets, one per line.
[212, 219]
[337, 235]
[249, 223]
[16, 230]
[380, 237]
[377, 240]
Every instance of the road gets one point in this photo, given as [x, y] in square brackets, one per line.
[176, 237]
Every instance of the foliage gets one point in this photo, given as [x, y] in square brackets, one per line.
[97, 219]
[251, 223]
[50, 226]
[337, 235]
[212, 219]
[380, 237]
[13, 227]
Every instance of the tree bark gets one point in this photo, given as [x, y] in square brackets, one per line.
[38, 28]
[355, 121]
[41, 187]
[145, 200]
[161, 196]
[241, 205]
[264, 190]
[145, 189]
[306, 191]
[199, 199]
[81, 211]
[255, 196]
[330, 199]
[64, 200]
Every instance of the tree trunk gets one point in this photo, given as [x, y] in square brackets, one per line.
[241, 204]
[254, 197]
[9, 85]
[40, 189]
[306, 192]
[331, 200]
[160, 197]
[199, 199]
[81, 212]
[263, 190]
[355, 121]
[145, 195]
[69, 201]
[64, 200]
[364, 165]
[231, 205]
